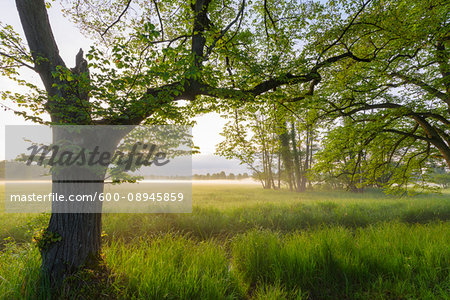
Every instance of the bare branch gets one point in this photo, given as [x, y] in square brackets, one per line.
[268, 13]
[160, 19]
[118, 18]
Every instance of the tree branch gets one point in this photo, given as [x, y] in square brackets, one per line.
[201, 24]
[21, 63]
[408, 134]
[160, 20]
[45, 53]
[118, 18]
[344, 31]
[241, 10]
[426, 87]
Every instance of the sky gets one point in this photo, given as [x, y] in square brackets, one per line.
[206, 133]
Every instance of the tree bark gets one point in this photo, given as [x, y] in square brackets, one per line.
[80, 243]
[307, 156]
[295, 154]
[77, 224]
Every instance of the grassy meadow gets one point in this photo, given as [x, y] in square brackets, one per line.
[243, 242]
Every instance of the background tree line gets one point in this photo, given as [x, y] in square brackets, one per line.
[220, 175]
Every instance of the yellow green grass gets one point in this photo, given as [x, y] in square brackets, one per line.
[242, 242]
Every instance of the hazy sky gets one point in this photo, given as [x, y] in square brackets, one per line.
[206, 133]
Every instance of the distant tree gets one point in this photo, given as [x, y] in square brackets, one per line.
[275, 142]
[441, 177]
[2, 169]
[251, 138]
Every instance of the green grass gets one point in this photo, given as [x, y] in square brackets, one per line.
[242, 242]
[225, 210]
[389, 260]
[19, 271]
[174, 267]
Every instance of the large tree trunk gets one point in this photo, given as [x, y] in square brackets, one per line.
[73, 237]
[80, 244]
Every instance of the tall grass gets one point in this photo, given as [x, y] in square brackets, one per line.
[390, 260]
[246, 243]
[224, 210]
[232, 210]
[385, 261]
[19, 272]
[174, 267]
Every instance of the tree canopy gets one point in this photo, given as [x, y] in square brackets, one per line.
[149, 56]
